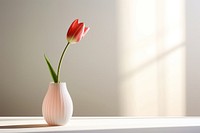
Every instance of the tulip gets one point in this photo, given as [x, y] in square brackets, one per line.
[76, 32]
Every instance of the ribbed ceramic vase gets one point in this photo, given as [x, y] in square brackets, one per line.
[57, 107]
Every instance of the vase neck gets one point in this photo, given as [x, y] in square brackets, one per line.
[57, 85]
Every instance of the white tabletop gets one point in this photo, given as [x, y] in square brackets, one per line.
[103, 125]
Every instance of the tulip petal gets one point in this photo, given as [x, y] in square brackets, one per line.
[85, 31]
[72, 27]
[79, 33]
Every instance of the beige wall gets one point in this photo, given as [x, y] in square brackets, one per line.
[28, 29]
[193, 54]
[131, 62]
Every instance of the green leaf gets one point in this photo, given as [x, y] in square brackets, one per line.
[53, 74]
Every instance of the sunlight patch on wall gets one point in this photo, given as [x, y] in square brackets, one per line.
[152, 57]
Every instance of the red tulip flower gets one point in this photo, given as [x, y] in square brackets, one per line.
[75, 33]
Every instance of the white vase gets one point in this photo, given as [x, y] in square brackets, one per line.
[57, 107]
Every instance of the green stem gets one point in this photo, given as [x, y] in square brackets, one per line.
[60, 62]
